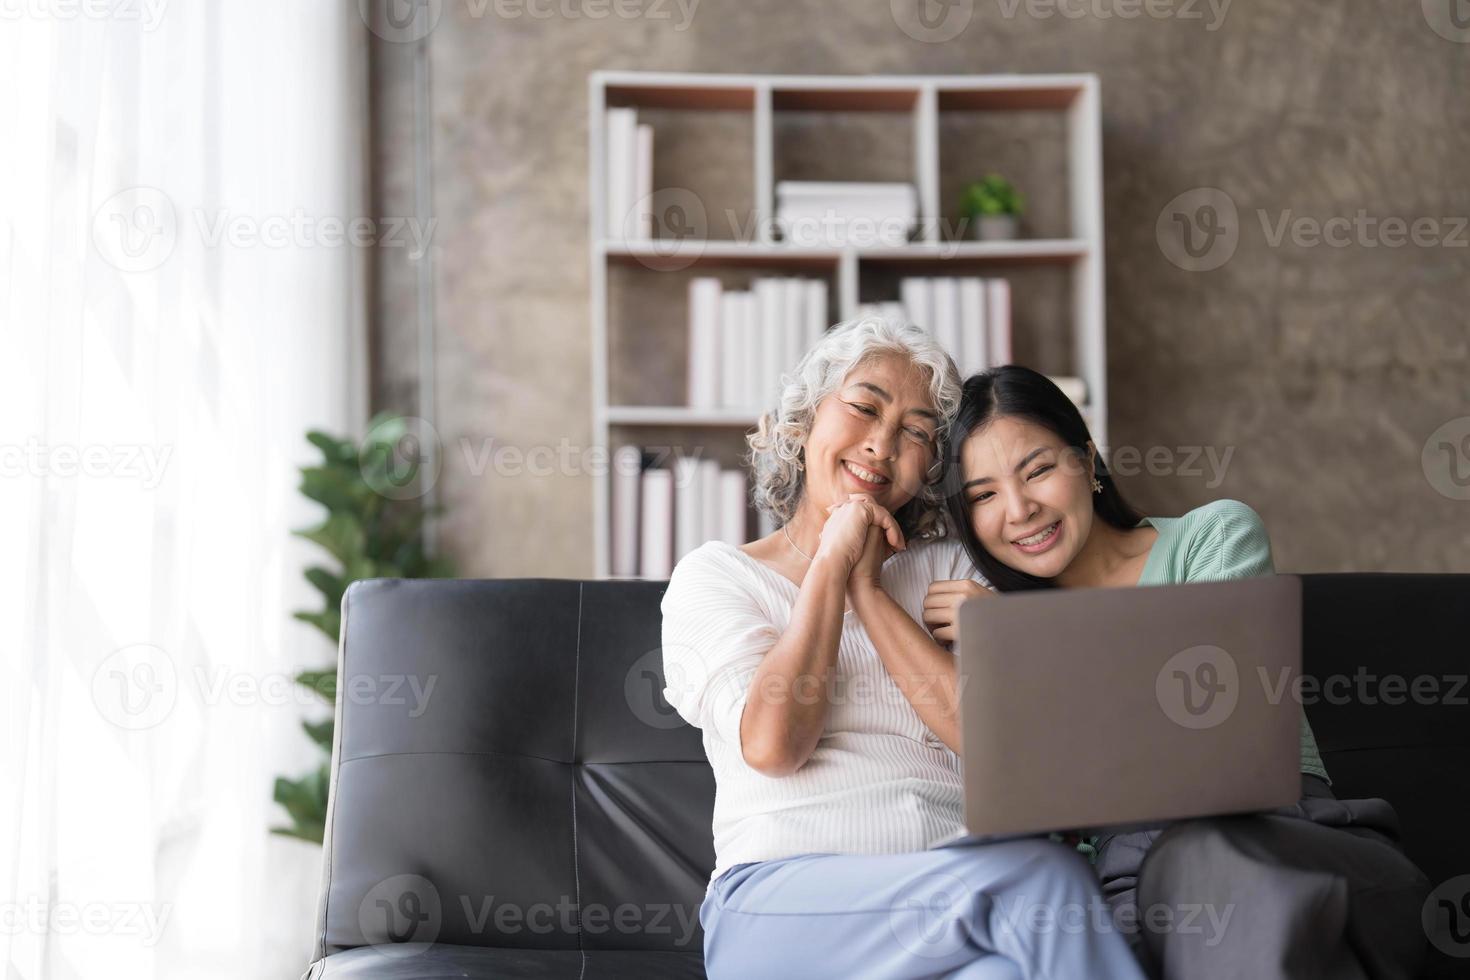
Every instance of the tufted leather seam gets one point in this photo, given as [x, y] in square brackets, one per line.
[576, 686]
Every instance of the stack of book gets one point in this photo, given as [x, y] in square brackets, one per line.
[740, 342]
[971, 317]
[983, 314]
[835, 214]
[629, 170]
[660, 514]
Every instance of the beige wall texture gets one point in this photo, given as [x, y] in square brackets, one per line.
[1318, 371]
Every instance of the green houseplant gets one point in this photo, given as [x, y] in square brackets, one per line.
[373, 529]
[992, 206]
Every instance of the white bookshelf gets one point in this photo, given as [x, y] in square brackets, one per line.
[1079, 255]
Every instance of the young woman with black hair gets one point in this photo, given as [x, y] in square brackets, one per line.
[1320, 889]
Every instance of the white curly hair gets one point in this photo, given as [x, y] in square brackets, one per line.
[777, 447]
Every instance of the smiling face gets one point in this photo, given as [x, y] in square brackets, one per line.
[1028, 495]
[875, 434]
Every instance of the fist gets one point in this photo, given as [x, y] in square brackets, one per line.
[942, 605]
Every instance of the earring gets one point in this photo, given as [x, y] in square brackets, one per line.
[1096, 485]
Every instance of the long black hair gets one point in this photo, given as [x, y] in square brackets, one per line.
[1017, 392]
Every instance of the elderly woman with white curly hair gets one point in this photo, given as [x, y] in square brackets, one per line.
[829, 712]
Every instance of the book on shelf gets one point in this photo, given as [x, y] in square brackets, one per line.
[661, 513]
[740, 342]
[655, 524]
[835, 214]
[969, 316]
[705, 303]
[1073, 387]
[946, 312]
[629, 190]
[627, 473]
[998, 319]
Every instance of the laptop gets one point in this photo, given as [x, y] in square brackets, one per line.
[1099, 710]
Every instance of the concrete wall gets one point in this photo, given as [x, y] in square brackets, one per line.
[1315, 372]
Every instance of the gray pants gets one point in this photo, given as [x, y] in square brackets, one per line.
[1320, 889]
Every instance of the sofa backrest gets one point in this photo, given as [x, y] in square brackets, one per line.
[1388, 657]
[506, 772]
[540, 794]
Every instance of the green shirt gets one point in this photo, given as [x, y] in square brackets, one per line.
[1217, 542]
[1220, 541]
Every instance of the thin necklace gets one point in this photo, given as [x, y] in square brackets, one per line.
[793, 543]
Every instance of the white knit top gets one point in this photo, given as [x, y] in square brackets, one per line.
[878, 782]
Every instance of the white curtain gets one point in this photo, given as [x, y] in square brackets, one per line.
[180, 301]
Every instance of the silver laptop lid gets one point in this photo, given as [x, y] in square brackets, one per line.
[1085, 708]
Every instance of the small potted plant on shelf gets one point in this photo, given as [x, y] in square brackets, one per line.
[992, 206]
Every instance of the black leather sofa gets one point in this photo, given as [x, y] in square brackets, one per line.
[540, 811]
